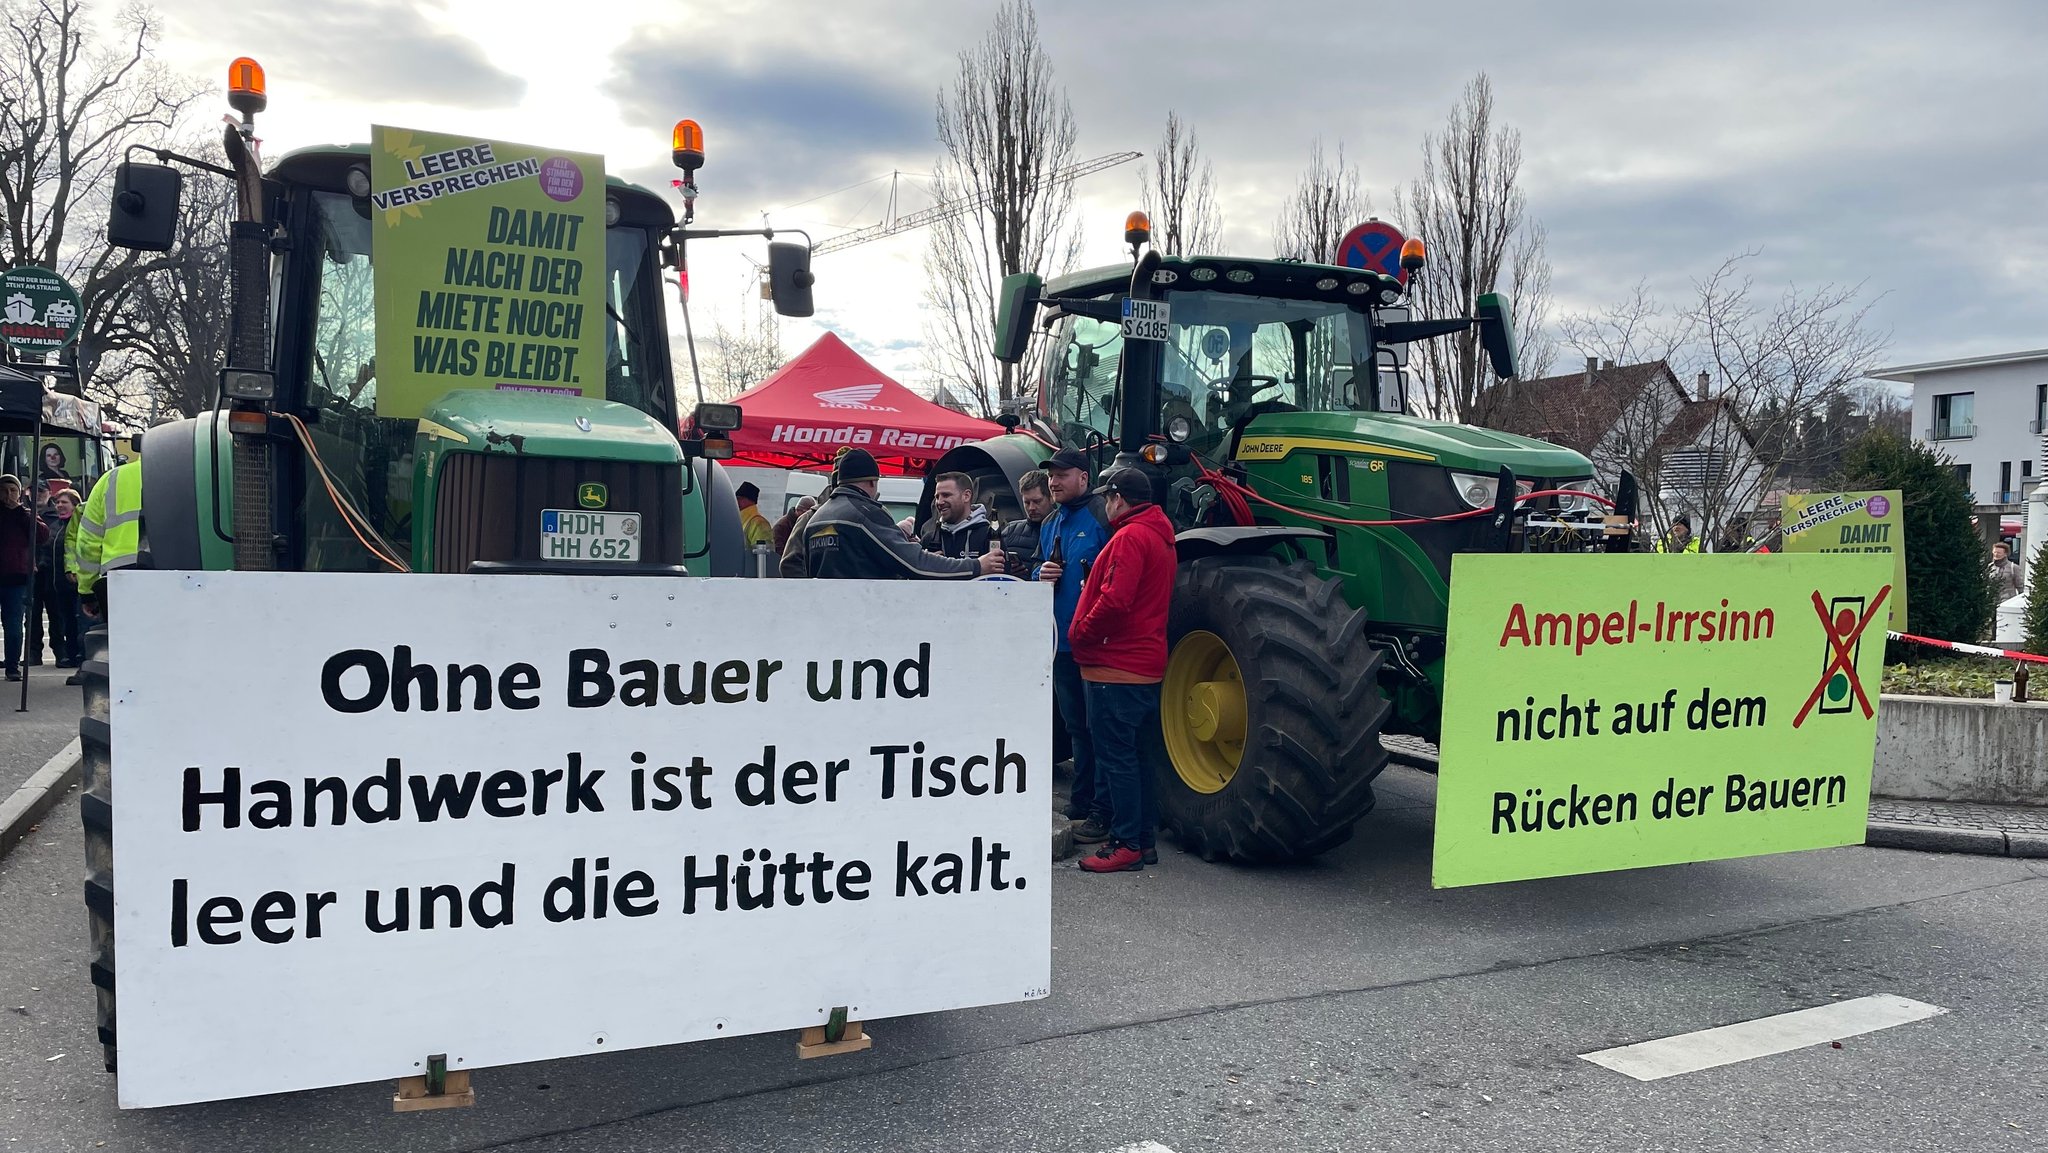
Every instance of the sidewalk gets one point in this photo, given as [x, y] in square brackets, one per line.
[28, 739]
[1953, 827]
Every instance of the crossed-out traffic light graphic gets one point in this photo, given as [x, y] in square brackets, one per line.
[1844, 629]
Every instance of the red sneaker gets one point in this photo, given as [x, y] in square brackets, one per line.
[1114, 859]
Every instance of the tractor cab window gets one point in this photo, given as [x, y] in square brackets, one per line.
[1230, 356]
[1229, 352]
[1079, 396]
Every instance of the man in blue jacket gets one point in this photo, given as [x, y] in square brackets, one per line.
[1068, 542]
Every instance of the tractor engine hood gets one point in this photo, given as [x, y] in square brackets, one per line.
[1457, 446]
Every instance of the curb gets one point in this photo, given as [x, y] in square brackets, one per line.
[20, 812]
[1881, 834]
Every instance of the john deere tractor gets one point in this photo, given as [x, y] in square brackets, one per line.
[294, 470]
[1317, 519]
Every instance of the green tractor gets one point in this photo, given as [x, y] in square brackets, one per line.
[294, 470]
[1317, 519]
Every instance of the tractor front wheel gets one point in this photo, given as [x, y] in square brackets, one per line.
[1270, 713]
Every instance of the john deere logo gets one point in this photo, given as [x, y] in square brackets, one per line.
[592, 495]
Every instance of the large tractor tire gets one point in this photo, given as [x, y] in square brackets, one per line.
[1270, 714]
[96, 810]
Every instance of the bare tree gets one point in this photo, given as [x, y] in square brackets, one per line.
[1326, 202]
[69, 104]
[1756, 377]
[1179, 193]
[1471, 213]
[1006, 128]
[742, 355]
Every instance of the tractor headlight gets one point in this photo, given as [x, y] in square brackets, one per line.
[1179, 428]
[1476, 490]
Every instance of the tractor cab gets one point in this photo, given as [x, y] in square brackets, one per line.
[531, 423]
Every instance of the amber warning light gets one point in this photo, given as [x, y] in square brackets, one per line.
[1137, 228]
[687, 145]
[246, 92]
[1412, 253]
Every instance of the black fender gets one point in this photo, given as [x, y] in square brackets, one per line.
[1007, 458]
[176, 458]
[1249, 540]
[725, 540]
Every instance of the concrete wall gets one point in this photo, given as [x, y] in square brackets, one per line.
[1945, 749]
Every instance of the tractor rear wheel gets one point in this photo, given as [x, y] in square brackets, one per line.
[1270, 713]
[96, 810]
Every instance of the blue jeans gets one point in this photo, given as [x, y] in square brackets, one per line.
[1089, 798]
[14, 607]
[1118, 715]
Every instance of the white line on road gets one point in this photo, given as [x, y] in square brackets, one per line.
[1708, 1048]
[1140, 1147]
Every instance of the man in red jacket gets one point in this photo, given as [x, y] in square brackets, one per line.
[1119, 642]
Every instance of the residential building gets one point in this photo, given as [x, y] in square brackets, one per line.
[1988, 413]
[1691, 453]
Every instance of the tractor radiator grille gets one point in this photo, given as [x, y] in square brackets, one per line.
[488, 505]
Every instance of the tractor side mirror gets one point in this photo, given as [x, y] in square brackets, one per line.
[145, 209]
[789, 277]
[1013, 315]
[1497, 333]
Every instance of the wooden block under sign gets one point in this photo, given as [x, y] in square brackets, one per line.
[812, 1043]
[412, 1096]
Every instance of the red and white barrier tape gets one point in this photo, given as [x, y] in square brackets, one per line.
[1975, 650]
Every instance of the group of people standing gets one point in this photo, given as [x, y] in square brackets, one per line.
[37, 583]
[1107, 550]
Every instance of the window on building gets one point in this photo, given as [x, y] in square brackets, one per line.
[1963, 474]
[1953, 416]
[2041, 408]
[2005, 495]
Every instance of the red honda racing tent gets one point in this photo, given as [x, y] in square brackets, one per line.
[828, 398]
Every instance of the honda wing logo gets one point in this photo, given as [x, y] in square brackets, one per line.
[853, 396]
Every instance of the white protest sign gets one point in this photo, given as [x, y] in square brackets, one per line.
[637, 811]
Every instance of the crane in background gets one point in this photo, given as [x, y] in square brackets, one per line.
[945, 210]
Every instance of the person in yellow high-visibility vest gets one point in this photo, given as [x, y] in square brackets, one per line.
[1680, 538]
[109, 533]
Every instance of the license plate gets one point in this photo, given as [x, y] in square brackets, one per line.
[571, 534]
[1146, 319]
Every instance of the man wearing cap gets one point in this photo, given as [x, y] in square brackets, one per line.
[755, 525]
[850, 536]
[1119, 641]
[1068, 541]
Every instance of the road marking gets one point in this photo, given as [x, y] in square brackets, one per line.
[1140, 1147]
[1728, 1044]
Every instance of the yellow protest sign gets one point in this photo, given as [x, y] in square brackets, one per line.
[1614, 712]
[1836, 522]
[489, 268]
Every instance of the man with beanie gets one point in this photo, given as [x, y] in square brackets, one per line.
[755, 525]
[1068, 540]
[1119, 641]
[850, 536]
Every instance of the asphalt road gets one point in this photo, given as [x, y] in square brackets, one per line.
[1341, 1005]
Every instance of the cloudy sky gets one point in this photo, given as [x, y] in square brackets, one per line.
[1898, 145]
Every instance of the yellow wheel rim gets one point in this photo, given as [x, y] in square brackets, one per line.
[1202, 712]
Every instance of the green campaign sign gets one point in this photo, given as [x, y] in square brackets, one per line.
[490, 261]
[39, 311]
[1852, 522]
[1612, 712]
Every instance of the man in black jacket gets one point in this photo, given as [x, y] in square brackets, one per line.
[850, 536]
[959, 526]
